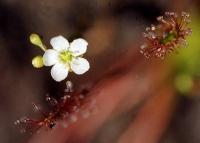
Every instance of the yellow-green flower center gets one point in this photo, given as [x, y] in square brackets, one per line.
[66, 56]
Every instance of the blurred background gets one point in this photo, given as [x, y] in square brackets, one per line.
[113, 29]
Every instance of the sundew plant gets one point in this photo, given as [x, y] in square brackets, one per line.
[65, 57]
[100, 71]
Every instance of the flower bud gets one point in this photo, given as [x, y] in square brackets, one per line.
[37, 62]
[36, 40]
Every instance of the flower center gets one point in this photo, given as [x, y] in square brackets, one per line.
[66, 56]
[169, 37]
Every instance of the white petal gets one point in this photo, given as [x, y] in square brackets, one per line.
[78, 47]
[59, 72]
[50, 57]
[59, 43]
[80, 65]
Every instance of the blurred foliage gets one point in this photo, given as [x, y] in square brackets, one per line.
[183, 83]
[186, 64]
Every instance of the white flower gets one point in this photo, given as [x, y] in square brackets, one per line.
[65, 57]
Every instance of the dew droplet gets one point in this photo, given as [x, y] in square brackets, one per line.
[143, 46]
[52, 101]
[148, 29]
[22, 130]
[73, 118]
[153, 27]
[182, 42]
[23, 120]
[67, 96]
[69, 86]
[159, 49]
[189, 32]
[36, 108]
[17, 122]
[184, 14]
[160, 18]
[75, 109]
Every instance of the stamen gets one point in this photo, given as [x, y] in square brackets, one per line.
[66, 56]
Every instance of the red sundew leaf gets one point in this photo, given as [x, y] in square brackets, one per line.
[65, 108]
[167, 36]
